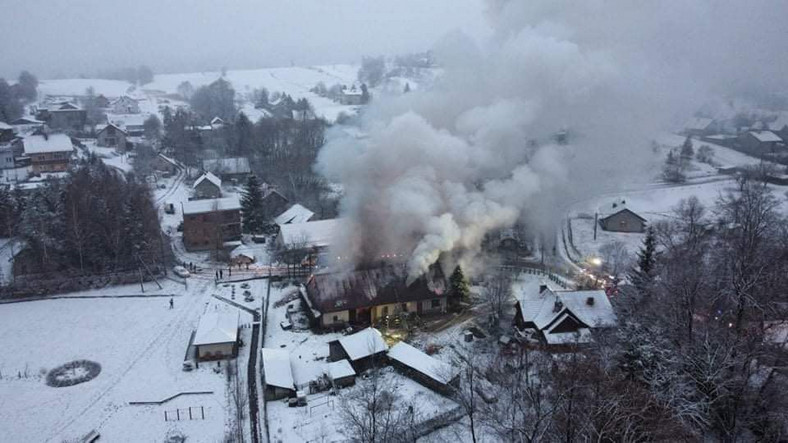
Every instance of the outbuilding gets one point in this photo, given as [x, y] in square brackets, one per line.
[217, 336]
[425, 369]
[364, 349]
[341, 374]
[277, 374]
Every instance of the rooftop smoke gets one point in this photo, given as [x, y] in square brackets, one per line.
[442, 167]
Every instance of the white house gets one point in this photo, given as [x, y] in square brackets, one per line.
[125, 105]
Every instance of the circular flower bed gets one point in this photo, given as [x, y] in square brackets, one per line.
[73, 373]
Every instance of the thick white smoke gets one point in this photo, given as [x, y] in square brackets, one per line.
[442, 167]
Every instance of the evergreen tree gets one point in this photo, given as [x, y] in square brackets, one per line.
[458, 286]
[642, 274]
[686, 150]
[10, 107]
[27, 86]
[152, 127]
[252, 206]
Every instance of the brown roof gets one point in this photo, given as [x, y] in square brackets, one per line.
[333, 292]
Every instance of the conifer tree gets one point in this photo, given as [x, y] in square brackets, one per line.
[642, 274]
[458, 286]
[252, 206]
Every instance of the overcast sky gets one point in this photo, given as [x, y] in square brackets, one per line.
[69, 38]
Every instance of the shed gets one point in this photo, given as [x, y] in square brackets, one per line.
[425, 369]
[217, 335]
[341, 373]
[277, 374]
[242, 255]
[363, 349]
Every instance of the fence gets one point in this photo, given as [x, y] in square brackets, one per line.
[191, 413]
[535, 270]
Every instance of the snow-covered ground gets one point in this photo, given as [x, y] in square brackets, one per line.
[140, 344]
[109, 156]
[294, 81]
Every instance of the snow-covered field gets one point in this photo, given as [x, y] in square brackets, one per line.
[294, 81]
[140, 344]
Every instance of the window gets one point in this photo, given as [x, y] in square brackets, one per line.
[436, 303]
[404, 307]
[385, 310]
[336, 319]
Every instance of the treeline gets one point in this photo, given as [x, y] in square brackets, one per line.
[14, 97]
[93, 221]
[699, 349]
[141, 75]
[282, 149]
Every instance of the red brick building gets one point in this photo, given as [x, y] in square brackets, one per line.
[208, 224]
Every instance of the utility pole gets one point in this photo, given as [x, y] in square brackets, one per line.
[596, 222]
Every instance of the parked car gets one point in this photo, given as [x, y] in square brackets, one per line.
[180, 271]
[169, 208]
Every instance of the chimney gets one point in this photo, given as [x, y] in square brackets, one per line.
[558, 306]
[590, 301]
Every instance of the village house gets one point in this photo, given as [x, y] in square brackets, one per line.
[352, 96]
[699, 126]
[26, 124]
[622, 219]
[366, 296]
[780, 126]
[761, 142]
[316, 235]
[111, 136]
[64, 115]
[133, 124]
[165, 164]
[209, 224]
[234, 169]
[294, 214]
[11, 146]
[364, 349]
[563, 318]
[429, 371]
[217, 336]
[216, 123]
[274, 203]
[207, 186]
[277, 374]
[49, 152]
[125, 105]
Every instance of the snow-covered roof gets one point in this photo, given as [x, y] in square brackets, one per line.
[765, 136]
[242, 251]
[123, 98]
[217, 121]
[38, 144]
[26, 121]
[210, 177]
[276, 368]
[363, 344]
[590, 307]
[235, 165]
[316, 234]
[126, 120]
[217, 327]
[211, 205]
[103, 127]
[4, 125]
[425, 364]
[698, 123]
[168, 160]
[294, 214]
[339, 369]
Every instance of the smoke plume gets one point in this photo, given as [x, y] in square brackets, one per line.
[440, 168]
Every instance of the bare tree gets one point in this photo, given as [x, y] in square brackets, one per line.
[498, 292]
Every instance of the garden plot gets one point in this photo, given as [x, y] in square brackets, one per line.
[321, 419]
[140, 344]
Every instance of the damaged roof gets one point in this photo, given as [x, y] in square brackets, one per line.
[332, 292]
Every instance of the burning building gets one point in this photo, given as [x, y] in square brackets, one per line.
[365, 296]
